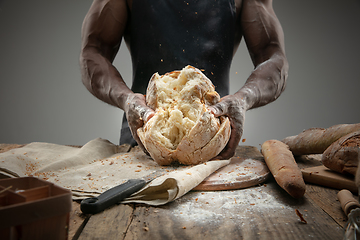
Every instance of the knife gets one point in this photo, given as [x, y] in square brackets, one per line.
[116, 194]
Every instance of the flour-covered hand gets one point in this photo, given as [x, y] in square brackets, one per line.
[234, 109]
[137, 113]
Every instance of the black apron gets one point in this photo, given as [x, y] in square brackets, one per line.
[167, 35]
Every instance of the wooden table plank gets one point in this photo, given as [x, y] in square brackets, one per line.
[77, 221]
[326, 198]
[112, 223]
[263, 212]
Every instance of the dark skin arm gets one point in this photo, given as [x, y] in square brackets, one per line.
[265, 41]
[102, 32]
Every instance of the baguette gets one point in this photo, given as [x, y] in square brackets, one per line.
[317, 140]
[283, 167]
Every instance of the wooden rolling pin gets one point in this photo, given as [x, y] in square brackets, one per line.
[351, 208]
[347, 201]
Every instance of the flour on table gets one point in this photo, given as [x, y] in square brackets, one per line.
[216, 205]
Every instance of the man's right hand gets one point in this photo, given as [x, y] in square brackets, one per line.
[137, 114]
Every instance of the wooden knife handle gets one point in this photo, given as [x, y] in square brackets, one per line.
[347, 201]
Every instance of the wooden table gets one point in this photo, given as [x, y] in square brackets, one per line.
[261, 212]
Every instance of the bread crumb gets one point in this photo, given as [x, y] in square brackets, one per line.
[302, 219]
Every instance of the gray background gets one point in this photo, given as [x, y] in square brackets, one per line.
[42, 97]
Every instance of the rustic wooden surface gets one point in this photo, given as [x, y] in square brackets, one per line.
[217, 215]
[261, 212]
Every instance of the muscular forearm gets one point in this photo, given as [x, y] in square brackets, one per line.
[266, 82]
[265, 40]
[102, 79]
[102, 32]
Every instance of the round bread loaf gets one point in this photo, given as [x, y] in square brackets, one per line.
[343, 155]
[182, 129]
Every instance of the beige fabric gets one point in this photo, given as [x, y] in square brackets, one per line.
[175, 184]
[97, 166]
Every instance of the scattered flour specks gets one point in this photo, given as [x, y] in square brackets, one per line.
[218, 205]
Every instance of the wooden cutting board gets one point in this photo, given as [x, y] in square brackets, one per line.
[323, 176]
[246, 169]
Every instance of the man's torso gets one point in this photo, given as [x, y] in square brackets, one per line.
[168, 35]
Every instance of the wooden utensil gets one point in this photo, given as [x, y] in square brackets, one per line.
[351, 208]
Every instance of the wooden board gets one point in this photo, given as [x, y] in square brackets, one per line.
[325, 177]
[246, 169]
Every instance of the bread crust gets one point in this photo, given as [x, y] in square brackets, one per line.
[343, 155]
[283, 167]
[183, 129]
[317, 140]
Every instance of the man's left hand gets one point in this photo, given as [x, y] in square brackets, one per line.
[234, 109]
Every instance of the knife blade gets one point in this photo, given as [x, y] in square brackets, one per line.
[116, 194]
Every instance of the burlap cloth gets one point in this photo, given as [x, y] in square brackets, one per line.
[98, 165]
